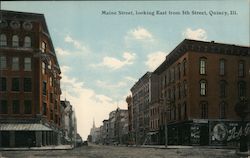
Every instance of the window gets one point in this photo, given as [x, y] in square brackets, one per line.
[27, 107]
[27, 85]
[185, 88]
[241, 69]
[15, 107]
[223, 110]
[3, 84]
[44, 87]
[179, 91]
[202, 66]
[204, 110]
[43, 68]
[3, 107]
[44, 110]
[51, 114]
[43, 47]
[222, 67]
[172, 74]
[184, 110]
[15, 63]
[51, 97]
[202, 87]
[242, 89]
[184, 67]
[27, 64]
[49, 65]
[3, 40]
[27, 42]
[179, 112]
[15, 41]
[3, 62]
[50, 81]
[222, 89]
[15, 84]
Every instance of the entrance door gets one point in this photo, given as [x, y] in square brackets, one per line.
[5, 139]
[204, 135]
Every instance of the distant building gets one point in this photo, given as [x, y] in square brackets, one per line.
[200, 84]
[69, 124]
[121, 126]
[29, 82]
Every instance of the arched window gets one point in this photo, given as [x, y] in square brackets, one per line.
[15, 41]
[3, 40]
[242, 88]
[184, 67]
[204, 109]
[222, 67]
[27, 42]
[203, 66]
[203, 85]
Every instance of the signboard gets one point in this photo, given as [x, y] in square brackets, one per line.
[222, 132]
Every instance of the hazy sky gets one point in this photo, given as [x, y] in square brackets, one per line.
[102, 56]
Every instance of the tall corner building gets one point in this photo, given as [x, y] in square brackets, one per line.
[200, 85]
[29, 82]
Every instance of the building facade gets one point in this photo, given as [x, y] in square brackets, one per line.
[29, 83]
[140, 100]
[200, 84]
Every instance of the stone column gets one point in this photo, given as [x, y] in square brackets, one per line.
[39, 140]
[12, 139]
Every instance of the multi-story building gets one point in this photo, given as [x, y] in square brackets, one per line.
[121, 126]
[29, 81]
[140, 101]
[200, 84]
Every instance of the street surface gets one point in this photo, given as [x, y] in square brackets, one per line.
[100, 151]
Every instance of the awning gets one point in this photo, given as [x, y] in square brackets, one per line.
[24, 127]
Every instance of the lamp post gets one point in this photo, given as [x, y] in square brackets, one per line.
[241, 108]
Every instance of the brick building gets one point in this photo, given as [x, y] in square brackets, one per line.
[29, 82]
[200, 84]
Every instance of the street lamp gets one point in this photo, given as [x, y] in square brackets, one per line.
[241, 108]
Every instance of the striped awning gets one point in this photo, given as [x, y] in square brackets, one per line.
[24, 127]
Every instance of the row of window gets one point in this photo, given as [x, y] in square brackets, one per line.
[223, 85]
[179, 112]
[15, 63]
[16, 107]
[175, 73]
[15, 41]
[16, 84]
[222, 67]
[204, 110]
[180, 91]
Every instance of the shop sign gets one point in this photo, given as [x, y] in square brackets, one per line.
[224, 132]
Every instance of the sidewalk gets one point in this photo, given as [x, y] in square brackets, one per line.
[58, 147]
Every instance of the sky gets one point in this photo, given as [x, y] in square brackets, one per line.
[104, 47]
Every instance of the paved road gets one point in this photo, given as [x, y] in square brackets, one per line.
[99, 151]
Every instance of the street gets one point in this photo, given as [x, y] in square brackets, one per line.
[100, 151]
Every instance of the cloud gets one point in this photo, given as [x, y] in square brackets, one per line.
[62, 52]
[155, 59]
[114, 64]
[77, 44]
[198, 34]
[141, 33]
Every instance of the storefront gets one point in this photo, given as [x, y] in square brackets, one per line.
[27, 135]
[207, 132]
